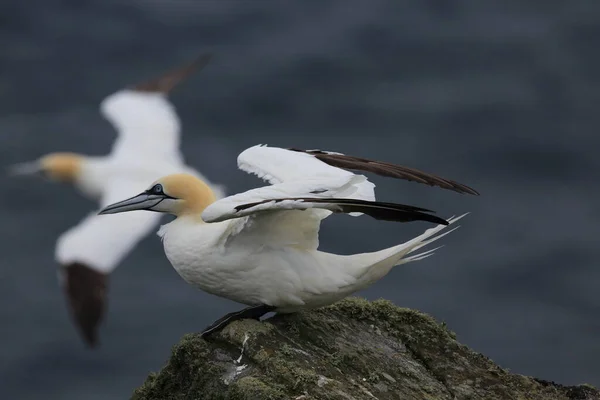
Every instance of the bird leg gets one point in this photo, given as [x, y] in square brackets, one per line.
[252, 312]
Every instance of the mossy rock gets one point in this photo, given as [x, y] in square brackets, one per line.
[354, 349]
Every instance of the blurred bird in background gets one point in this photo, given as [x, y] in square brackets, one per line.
[147, 147]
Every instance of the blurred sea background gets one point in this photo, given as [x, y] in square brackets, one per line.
[499, 95]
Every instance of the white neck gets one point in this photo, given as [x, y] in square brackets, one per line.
[94, 175]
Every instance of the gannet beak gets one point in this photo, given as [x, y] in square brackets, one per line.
[142, 201]
[26, 168]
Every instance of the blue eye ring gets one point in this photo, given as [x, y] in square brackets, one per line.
[157, 189]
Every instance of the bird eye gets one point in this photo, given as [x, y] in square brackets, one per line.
[157, 189]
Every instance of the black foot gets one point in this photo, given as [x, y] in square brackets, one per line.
[252, 312]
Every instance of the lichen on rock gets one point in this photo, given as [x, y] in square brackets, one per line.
[354, 349]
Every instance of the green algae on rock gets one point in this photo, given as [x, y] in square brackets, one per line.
[354, 349]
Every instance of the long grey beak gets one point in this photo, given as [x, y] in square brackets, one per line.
[142, 201]
[25, 168]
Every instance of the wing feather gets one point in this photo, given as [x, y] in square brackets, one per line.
[386, 169]
[147, 125]
[276, 165]
[309, 185]
[376, 209]
[146, 121]
[287, 215]
[102, 241]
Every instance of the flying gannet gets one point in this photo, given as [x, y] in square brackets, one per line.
[146, 147]
[260, 247]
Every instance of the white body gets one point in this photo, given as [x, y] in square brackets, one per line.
[147, 147]
[268, 254]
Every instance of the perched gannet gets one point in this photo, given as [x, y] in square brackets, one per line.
[147, 147]
[260, 247]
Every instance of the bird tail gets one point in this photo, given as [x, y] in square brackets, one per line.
[388, 258]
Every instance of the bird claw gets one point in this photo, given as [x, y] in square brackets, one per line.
[252, 312]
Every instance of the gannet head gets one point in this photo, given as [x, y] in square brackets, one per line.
[177, 194]
[60, 167]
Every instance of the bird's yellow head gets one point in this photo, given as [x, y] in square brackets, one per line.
[61, 167]
[177, 194]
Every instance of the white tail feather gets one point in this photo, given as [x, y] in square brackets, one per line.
[422, 255]
[389, 258]
[426, 242]
[424, 239]
[418, 257]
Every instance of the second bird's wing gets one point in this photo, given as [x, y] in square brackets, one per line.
[93, 248]
[147, 123]
[103, 241]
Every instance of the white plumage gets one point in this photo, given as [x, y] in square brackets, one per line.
[260, 247]
[278, 240]
[147, 126]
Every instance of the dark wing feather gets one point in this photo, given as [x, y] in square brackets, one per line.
[375, 209]
[85, 289]
[388, 170]
[166, 82]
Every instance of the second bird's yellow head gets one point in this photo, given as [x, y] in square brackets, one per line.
[60, 167]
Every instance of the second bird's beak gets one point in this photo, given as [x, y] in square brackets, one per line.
[142, 201]
[26, 168]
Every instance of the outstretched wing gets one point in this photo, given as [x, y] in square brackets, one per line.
[290, 213]
[146, 122]
[319, 183]
[102, 241]
[91, 250]
[386, 169]
[277, 165]
[375, 209]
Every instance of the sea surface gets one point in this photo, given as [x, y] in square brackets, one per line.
[500, 95]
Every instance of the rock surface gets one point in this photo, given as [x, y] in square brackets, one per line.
[352, 350]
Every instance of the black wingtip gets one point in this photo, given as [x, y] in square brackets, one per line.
[90, 339]
[170, 79]
[464, 189]
[387, 169]
[85, 289]
[383, 211]
[434, 219]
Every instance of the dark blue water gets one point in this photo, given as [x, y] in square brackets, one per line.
[499, 95]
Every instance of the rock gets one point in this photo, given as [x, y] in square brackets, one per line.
[354, 349]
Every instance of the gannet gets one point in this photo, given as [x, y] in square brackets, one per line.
[146, 147]
[260, 247]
